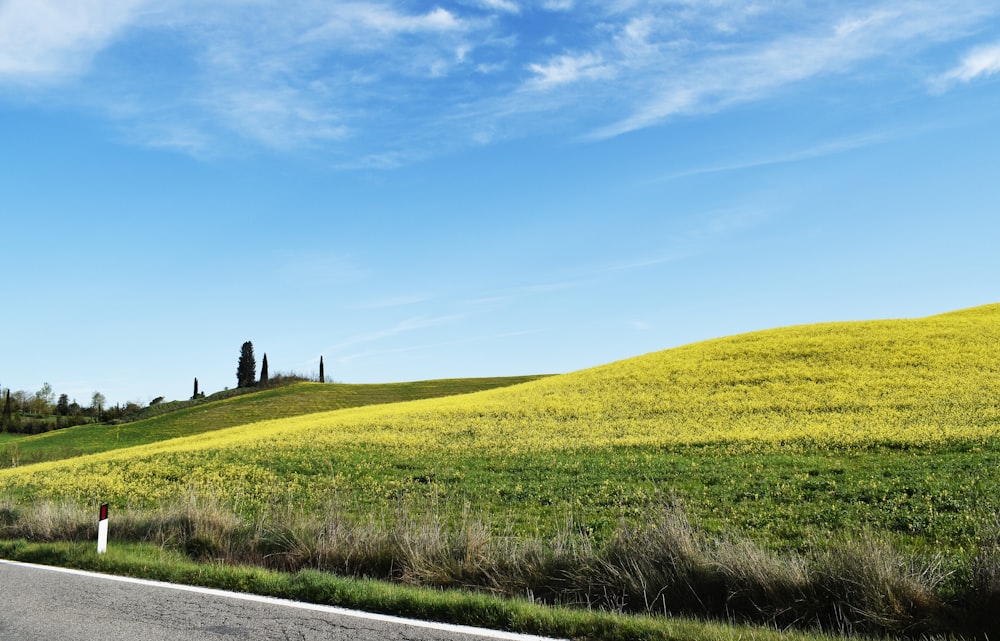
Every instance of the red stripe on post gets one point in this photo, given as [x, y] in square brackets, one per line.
[104, 512]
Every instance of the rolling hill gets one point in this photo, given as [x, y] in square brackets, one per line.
[232, 410]
[787, 433]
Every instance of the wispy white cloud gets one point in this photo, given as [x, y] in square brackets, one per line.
[642, 263]
[697, 237]
[347, 358]
[172, 136]
[692, 238]
[307, 75]
[981, 62]
[377, 83]
[402, 327]
[557, 5]
[507, 6]
[358, 22]
[820, 150]
[529, 290]
[567, 69]
[277, 117]
[716, 80]
[51, 39]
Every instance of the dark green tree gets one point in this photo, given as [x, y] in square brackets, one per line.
[263, 370]
[62, 405]
[195, 395]
[246, 369]
[6, 420]
[321, 377]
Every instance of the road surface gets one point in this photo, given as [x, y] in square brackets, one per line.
[39, 603]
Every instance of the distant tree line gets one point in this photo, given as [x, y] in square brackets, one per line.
[27, 412]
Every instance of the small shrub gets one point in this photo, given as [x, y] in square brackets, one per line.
[47, 521]
[869, 587]
[984, 597]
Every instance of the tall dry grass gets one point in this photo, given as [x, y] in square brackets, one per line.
[667, 566]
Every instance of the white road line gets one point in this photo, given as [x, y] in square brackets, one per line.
[445, 627]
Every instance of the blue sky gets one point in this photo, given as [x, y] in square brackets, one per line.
[460, 188]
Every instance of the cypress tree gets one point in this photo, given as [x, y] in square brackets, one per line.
[195, 388]
[263, 370]
[246, 369]
[321, 380]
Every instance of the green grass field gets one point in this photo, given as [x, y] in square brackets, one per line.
[789, 438]
[10, 438]
[786, 435]
[278, 402]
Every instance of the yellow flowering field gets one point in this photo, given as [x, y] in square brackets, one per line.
[612, 437]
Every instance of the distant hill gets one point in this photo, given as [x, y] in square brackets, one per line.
[232, 410]
[893, 383]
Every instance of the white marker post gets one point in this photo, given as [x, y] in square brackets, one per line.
[102, 531]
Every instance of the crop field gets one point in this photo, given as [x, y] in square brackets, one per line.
[791, 437]
[194, 418]
[786, 434]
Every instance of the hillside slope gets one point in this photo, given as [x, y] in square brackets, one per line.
[267, 404]
[608, 436]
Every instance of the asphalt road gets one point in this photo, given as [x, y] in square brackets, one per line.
[39, 603]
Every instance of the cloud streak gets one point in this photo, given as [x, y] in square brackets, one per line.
[757, 70]
[981, 62]
[567, 69]
[359, 22]
[47, 40]
[376, 84]
[403, 327]
[820, 150]
[348, 358]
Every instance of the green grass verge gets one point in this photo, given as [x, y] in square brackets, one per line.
[151, 562]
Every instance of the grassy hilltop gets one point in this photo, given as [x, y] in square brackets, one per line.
[792, 438]
[191, 418]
